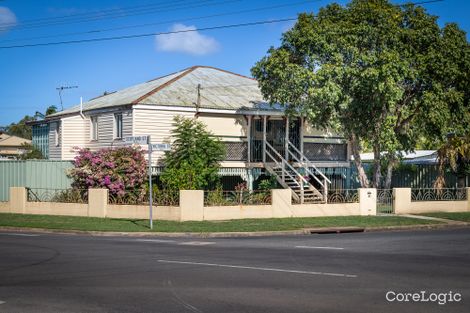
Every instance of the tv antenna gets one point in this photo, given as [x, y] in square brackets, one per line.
[62, 88]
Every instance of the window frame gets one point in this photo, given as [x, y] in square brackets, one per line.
[57, 134]
[118, 126]
[94, 128]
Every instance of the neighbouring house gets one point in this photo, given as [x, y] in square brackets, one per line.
[259, 138]
[11, 147]
[416, 157]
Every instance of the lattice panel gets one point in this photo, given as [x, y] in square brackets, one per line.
[326, 151]
[236, 151]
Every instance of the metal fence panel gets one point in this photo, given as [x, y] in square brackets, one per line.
[46, 174]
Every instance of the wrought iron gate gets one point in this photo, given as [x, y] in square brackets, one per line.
[385, 201]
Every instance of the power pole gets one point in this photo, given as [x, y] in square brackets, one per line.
[198, 101]
[60, 89]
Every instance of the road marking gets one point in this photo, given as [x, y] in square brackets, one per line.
[2, 302]
[155, 240]
[15, 234]
[197, 243]
[313, 247]
[260, 268]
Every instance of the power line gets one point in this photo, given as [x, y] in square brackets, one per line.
[83, 14]
[284, 5]
[121, 14]
[421, 2]
[149, 34]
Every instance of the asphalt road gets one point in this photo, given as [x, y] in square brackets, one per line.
[312, 273]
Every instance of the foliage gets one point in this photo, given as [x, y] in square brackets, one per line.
[51, 110]
[374, 71]
[22, 129]
[455, 154]
[121, 170]
[193, 161]
[268, 184]
[32, 152]
[216, 197]
[71, 196]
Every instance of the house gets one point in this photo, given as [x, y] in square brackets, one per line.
[11, 147]
[258, 137]
[416, 157]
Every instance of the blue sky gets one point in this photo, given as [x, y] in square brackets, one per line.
[29, 76]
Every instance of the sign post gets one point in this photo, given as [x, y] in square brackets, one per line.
[142, 140]
[149, 142]
[145, 140]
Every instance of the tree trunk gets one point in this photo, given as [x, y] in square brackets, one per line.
[355, 149]
[388, 179]
[377, 174]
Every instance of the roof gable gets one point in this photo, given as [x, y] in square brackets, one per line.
[220, 89]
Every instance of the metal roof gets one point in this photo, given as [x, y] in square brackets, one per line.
[220, 89]
[12, 141]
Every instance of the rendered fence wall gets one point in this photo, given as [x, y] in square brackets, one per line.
[191, 207]
[45, 174]
[403, 203]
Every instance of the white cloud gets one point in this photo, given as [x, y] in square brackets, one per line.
[187, 42]
[7, 19]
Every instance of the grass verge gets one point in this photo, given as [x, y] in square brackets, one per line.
[247, 225]
[457, 216]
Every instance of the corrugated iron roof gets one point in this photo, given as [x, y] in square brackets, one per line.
[12, 141]
[220, 89]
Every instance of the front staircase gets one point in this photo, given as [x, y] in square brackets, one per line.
[294, 175]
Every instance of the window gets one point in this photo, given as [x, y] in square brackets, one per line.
[94, 128]
[57, 134]
[118, 126]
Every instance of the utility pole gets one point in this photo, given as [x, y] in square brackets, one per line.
[60, 89]
[198, 101]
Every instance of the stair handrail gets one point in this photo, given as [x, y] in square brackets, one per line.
[304, 159]
[307, 170]
[284, 161]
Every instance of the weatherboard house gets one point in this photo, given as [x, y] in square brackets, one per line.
[259, 138]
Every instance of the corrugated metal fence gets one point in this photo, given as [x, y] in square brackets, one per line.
[33, 174]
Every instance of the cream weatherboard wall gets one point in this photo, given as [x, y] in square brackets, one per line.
[227, 127]
[74, 131]
[156, 123]
[106, 129]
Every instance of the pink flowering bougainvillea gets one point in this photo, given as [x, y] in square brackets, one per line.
[121, 170]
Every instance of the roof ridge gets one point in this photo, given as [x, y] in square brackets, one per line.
[160, 87]
[225, 71]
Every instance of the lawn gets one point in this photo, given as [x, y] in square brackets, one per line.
[247, 225]
[457, 216]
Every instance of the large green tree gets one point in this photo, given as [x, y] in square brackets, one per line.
[375, 72]
[193, 161]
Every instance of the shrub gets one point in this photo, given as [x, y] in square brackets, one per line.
[121, 170]
[193, 161]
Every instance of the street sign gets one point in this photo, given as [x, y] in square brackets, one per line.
[145, 140]
[141, 140]
[161, 147]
